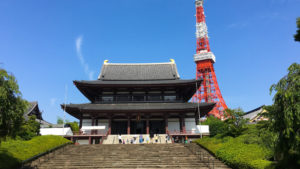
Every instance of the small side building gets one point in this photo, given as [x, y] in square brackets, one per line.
[33, 109]
[255, 115]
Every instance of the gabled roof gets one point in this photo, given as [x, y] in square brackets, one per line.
[138, 71]
[253, 113]
[33, 108]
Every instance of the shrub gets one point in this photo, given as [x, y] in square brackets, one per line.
[216, 126]
[74, 126]
[245, 151]
[12, 152]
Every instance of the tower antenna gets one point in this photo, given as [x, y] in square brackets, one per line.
[204, 58]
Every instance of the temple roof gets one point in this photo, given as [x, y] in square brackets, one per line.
[138, 71]
[33, 109]
[76, 109]
[121, 83]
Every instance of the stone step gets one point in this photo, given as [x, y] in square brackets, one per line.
[145, 156]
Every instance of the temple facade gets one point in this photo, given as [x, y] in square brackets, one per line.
[139, 98]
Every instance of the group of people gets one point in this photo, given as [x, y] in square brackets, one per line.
[154, 138]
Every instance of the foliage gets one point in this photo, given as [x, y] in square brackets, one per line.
[12, 152]
[216, 126]
[297, 35]
[74, 126]
[30, 128]
[235, 123]
[60, 120]
[244, 151]
[284, 116]
[12, 106]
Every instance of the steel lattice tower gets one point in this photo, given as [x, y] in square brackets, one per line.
[204, 58]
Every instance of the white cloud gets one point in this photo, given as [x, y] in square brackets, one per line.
[53, 101]
[237, 25]
[85, 66]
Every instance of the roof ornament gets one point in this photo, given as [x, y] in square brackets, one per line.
[172, 60]
[105, 61]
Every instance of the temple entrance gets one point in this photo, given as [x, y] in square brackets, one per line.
[119, 127]
[138, 127]
[157, 127]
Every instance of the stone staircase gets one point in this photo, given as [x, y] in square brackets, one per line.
[113, 139]
[143, 156]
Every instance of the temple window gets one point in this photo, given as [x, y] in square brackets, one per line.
[107, 98]
[169, 98]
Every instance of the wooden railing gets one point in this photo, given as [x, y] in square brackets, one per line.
[187, 132]
[91, 133]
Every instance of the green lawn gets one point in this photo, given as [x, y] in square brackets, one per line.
[12, 152]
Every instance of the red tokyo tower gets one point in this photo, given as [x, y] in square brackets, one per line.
[205, 59]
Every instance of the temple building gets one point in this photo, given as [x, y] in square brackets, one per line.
[138, 98]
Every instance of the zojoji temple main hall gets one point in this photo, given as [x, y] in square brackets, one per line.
[137, 98]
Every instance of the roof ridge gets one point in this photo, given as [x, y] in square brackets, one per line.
[159, 63]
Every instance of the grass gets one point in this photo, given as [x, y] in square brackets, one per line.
[13, 152]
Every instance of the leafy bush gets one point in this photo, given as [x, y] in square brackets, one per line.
[74, 126]
[235, 123]
[216, 126]
[245, 151]
[12, 152]
[29, 129]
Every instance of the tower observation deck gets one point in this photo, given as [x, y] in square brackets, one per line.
[204, 59]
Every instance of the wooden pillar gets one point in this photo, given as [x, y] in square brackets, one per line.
[183, 124]
[166, 123]
[93, 123]
[90, 140]
[109, 125]
[147, 125]
[96, 124]
[180, 123]
[80, 122]
[128, 124]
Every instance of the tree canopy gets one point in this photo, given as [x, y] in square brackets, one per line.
[297, 35]
[12, 105]
[284, 115]
[235, 123]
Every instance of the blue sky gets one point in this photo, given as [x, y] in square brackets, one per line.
[47, 44]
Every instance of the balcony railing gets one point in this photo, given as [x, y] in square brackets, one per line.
[187, 132]
[91, 133]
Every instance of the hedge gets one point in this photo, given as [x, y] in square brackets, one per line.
[13, 152]
[235, 153]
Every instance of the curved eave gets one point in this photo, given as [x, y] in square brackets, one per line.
[145, 83]
[77, 110]
[188, 87]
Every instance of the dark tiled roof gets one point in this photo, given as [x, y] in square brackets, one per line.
[139, 71]
[31, 106]
[130, 82]
[138, 106]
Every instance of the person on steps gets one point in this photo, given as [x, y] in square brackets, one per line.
[120, 139]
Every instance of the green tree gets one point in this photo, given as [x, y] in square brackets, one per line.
[74, 126]
[30, 128]
[60, 120]
[284, 116]
[216, 126]
[297, 35]
[235, 123]
[12, 106]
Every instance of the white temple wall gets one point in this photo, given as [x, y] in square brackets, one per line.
[173, 124]
[190, 125]
[103, 123]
